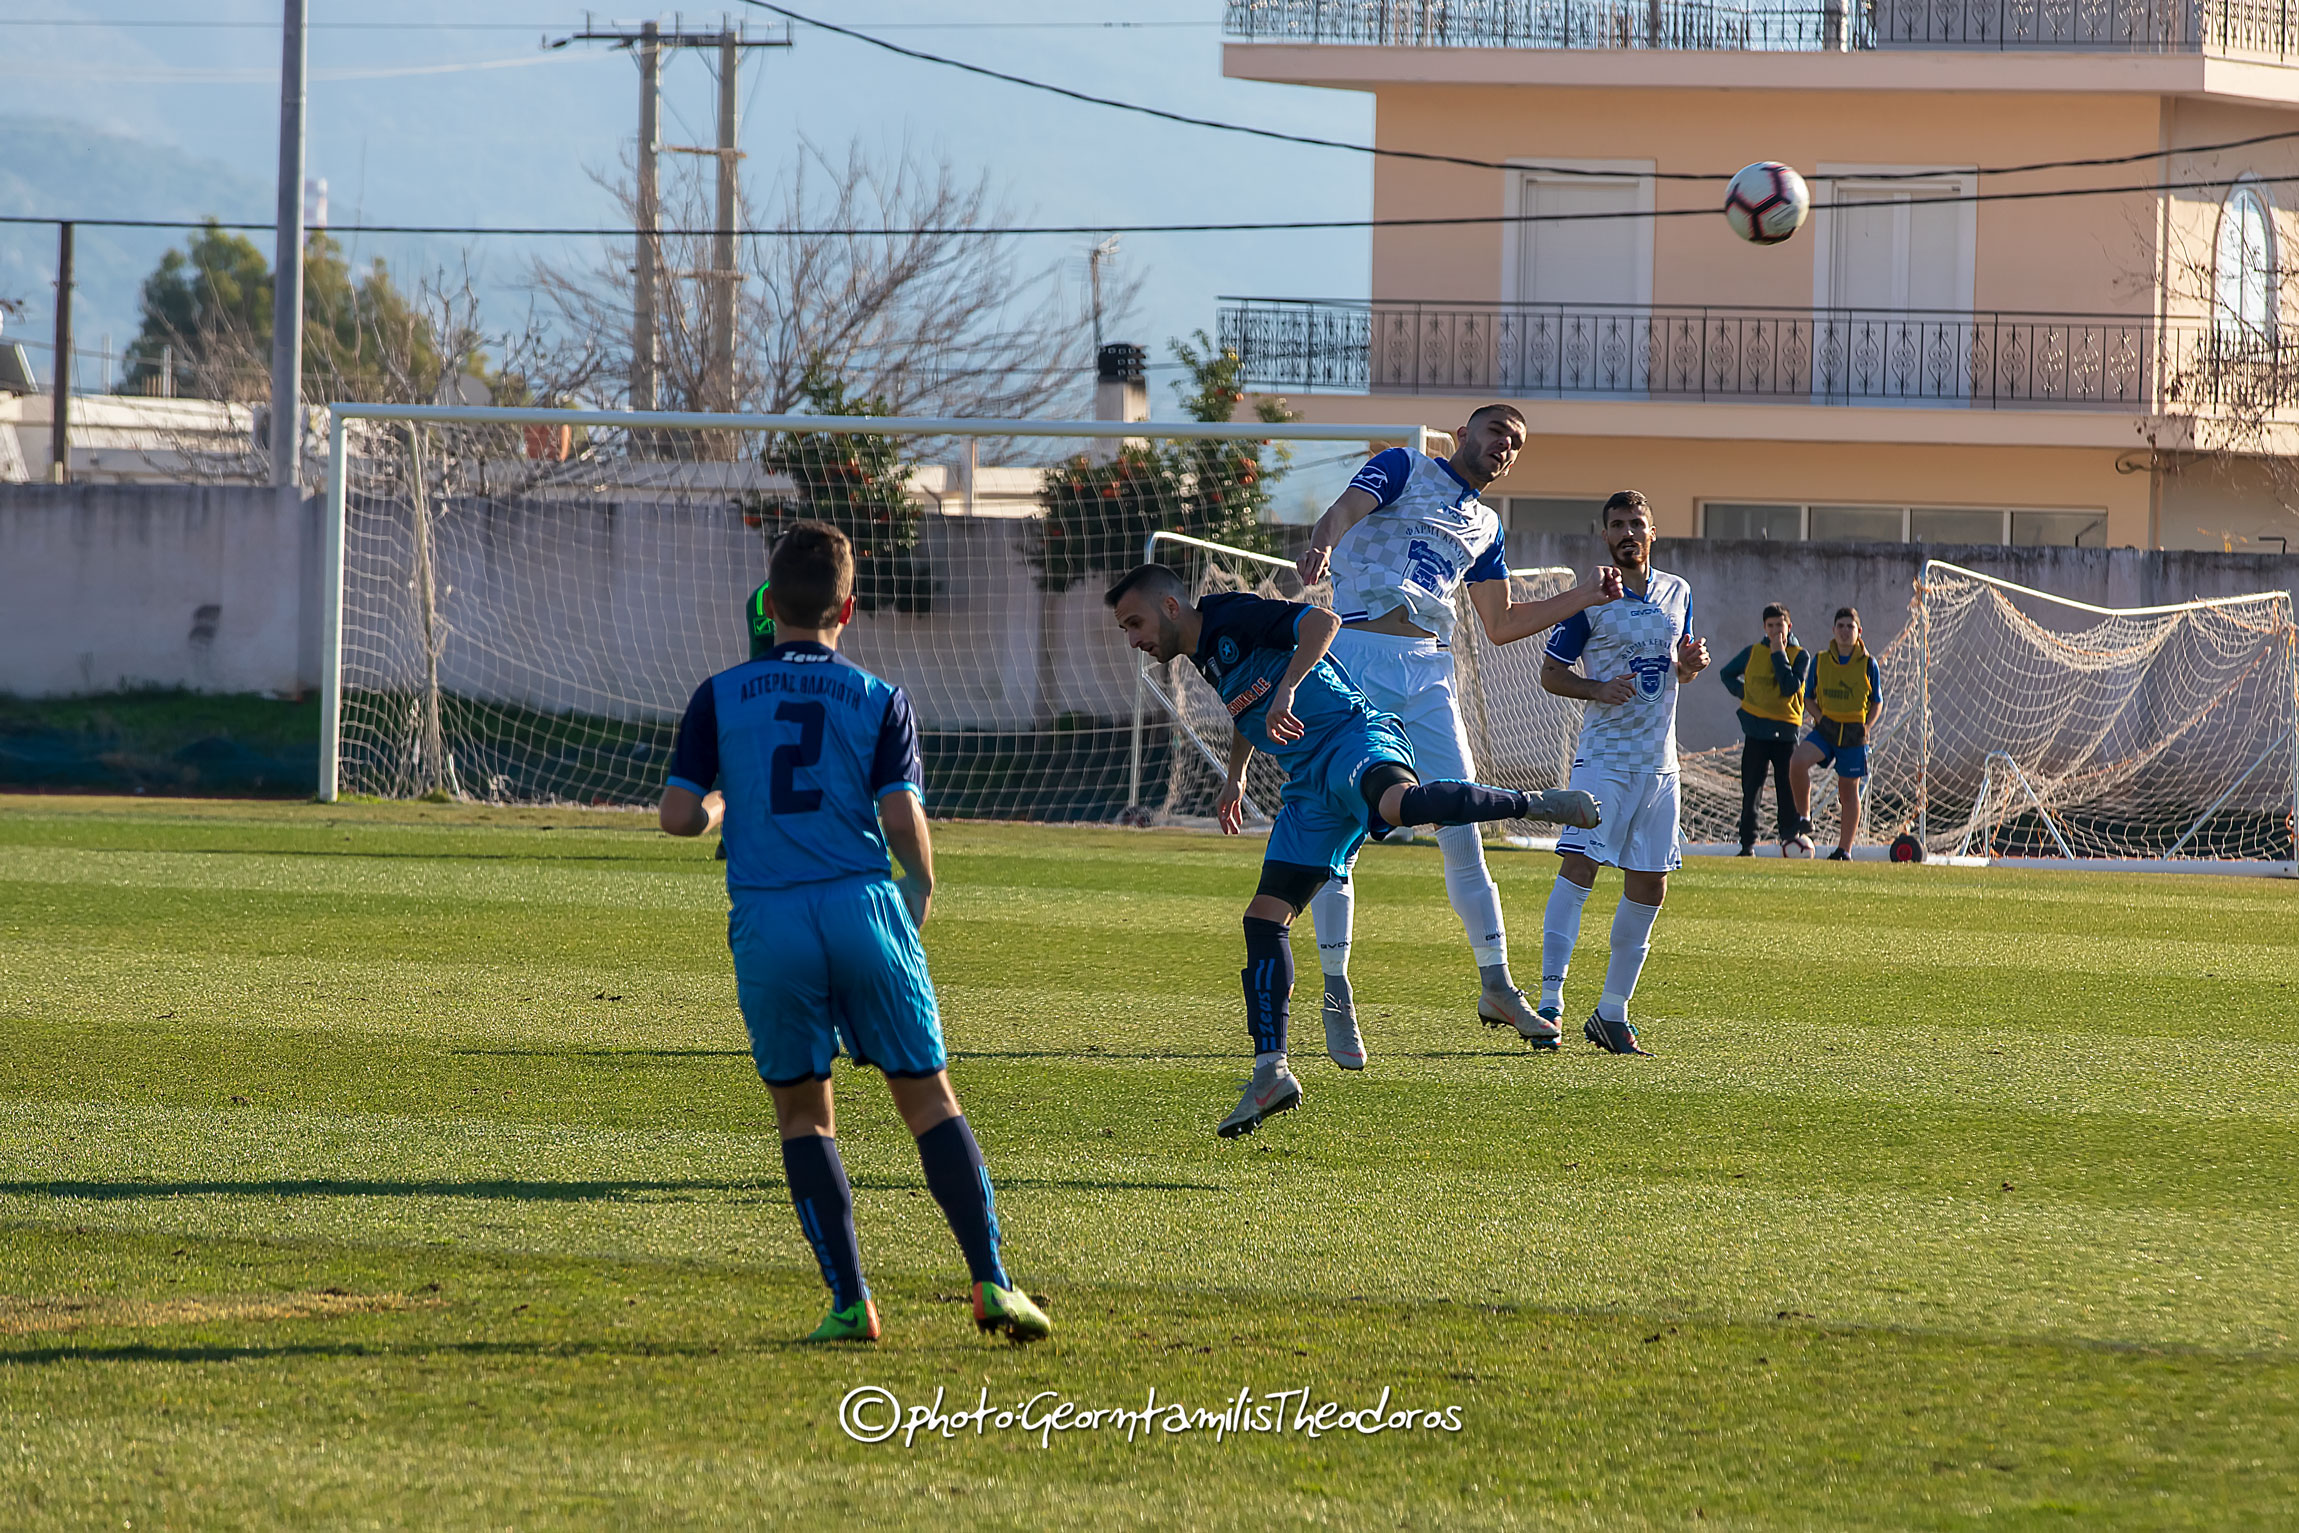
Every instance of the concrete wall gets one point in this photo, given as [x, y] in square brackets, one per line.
[624, 607]
[106, 587]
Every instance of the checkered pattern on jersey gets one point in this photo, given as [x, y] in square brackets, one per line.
[1430, 533]
[1633, 636]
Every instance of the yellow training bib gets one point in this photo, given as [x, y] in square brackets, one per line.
[1760, 690]
[1843, 685]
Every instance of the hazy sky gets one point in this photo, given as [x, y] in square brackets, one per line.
[465, 119]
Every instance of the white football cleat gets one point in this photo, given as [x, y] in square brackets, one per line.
[1509, 1008]
[1271, 1091]
[1343, 1043]
[1565, 806]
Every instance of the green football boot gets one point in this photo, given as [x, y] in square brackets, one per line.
[857, 1322]
[1010, 1310]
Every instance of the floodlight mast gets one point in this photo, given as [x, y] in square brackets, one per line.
[338, 472]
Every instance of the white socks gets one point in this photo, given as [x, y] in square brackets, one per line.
[1333, 916]
[1475, 900]
[1560, 929]
[1631, 940]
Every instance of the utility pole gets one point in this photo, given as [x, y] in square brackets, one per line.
[724, 276]
[287, 260]
[60, 413]
[649, 213]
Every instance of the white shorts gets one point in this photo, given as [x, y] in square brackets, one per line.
[1413, 679]
[1640, 833]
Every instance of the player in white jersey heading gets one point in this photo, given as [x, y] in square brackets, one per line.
[1403, 538]
[1634, 654]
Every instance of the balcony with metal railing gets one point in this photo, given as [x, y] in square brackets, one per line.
[1950, 360]
[2248, 28]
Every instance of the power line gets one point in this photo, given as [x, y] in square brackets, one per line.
[1452, 159]
[545, 26]
[1277, 226]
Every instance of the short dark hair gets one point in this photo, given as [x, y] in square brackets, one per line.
[1482, 411]
[1847, 612]
[811, 573]
[1627, 500]
[1158, 581]
[1773, 609]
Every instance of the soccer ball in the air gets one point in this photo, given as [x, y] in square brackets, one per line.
[1766, 202]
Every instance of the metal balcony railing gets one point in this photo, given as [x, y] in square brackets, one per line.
[1805, 356]
[2257, 28]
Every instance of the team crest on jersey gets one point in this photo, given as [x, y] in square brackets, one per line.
[1225, 650]
[1649, 669]
[1427, 568]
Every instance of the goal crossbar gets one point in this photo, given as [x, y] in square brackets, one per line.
[2255, 597]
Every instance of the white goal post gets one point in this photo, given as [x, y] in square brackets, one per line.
[517, 602]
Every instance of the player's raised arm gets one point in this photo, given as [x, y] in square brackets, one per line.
[1507, 621]
[1353, 506]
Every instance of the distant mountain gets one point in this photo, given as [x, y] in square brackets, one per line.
[52, 167]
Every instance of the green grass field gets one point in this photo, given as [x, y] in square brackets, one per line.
[397, 1166]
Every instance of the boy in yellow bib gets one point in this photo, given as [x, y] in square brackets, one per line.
[1849, 696]
[1771, 690]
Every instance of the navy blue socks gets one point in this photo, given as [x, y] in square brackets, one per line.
[825, 1204]
[1459, 803]
[1268, 976]
[960, 1182]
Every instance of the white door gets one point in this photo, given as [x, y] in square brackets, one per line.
[1897, 324]
[1584, 285]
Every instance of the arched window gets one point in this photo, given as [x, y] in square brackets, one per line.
[2244, 270]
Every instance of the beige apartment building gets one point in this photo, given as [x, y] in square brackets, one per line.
[1913, 365]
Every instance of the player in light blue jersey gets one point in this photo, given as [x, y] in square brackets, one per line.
[816, 772]
[1348, 769]
[1406, 536]
[1632, 656]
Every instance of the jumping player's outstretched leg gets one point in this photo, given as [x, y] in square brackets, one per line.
[1467, 803]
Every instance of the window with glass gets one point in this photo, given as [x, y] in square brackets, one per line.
[1533, 516]
[2059, 529]
[1726, 519]
[1859, 524]
[2243, 296]
[1929, 524]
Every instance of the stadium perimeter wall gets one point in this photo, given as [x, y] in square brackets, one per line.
[215, 588]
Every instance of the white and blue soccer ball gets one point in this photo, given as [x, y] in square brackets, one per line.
[1766, 202]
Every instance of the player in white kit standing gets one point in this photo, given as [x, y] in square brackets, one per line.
[1400, 542]
[1634, 654]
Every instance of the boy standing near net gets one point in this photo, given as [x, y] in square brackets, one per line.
[818, 773]
[1634, 653]
[1348, 768]
[1401, 540]
[1850, 695]
[1771, 693]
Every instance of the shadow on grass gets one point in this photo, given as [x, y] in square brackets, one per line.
[604, 1053]
[532, 1191]
[149, 1352]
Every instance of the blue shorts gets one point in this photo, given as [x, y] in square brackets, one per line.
[1848, 760]
[1321, 821]
[828, 964]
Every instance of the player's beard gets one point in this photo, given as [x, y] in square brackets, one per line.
[1635, 560]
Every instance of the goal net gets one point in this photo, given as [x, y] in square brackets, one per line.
[2021, 724]
[525, 600]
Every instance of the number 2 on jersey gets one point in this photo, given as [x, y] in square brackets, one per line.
[799, 754]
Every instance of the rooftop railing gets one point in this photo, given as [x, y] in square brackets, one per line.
[2258, 28]
[1804, 356]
